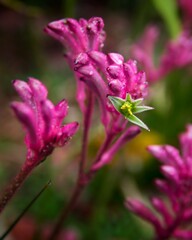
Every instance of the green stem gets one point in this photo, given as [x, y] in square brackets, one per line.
[65, 213]
[24, 211]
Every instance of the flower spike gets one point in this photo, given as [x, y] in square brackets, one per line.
[176, 209]
[41, 120]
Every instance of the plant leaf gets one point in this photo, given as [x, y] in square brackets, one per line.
[117, 102]
[139, 109]
[169, 12]
[138, 101]
[24, 211]
[137, 121]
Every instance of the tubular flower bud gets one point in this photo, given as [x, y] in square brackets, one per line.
[177, 187]
[41, 119]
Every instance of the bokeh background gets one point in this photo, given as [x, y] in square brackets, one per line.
[25, 50]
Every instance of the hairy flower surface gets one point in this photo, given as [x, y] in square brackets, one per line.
[78, 37]
[41, 119]
[177, 186]
[109, 75]
[100, 76]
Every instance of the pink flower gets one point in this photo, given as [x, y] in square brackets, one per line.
[78, 37]
[177, 186]
[144, 50]
[177, 54]
[123, 77]
[110, 75]
[41, 120]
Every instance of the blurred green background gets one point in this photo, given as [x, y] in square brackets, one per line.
[26, 51]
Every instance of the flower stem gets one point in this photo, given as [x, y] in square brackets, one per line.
[82, 181]
[24, 211]
[15, 185]
[103, 148]
[65, 213]
[87, 123]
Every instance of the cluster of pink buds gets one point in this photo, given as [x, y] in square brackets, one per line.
[177, 186]
[101, 74]
[119, 77]
[77, 37]
[41, 120]
[177, 54]
[116, 84]
[108, 75]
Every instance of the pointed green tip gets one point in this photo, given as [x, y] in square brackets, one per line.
[135, 120]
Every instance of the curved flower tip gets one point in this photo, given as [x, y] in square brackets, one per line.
[170, 173]
[66, 133]
[157, 151]
[78, 36]
[166, 154]
[142, 211]
[95, 24]
[42, 120]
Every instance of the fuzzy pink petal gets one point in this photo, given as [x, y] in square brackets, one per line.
[78, 33]
[49, 115]
[161, 207]
[24, 91]
[38, 88]
[166, 154]
[61, 111]
[115, 58]
[26, 116]
[144, 212]
[66, 132]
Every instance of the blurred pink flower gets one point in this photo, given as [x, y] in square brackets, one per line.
[41, 119]
[176, 54]
[177, 186]
[144, 51]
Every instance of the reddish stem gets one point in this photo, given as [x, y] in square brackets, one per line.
[87, 123]
[15, 185]
[83, 180]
